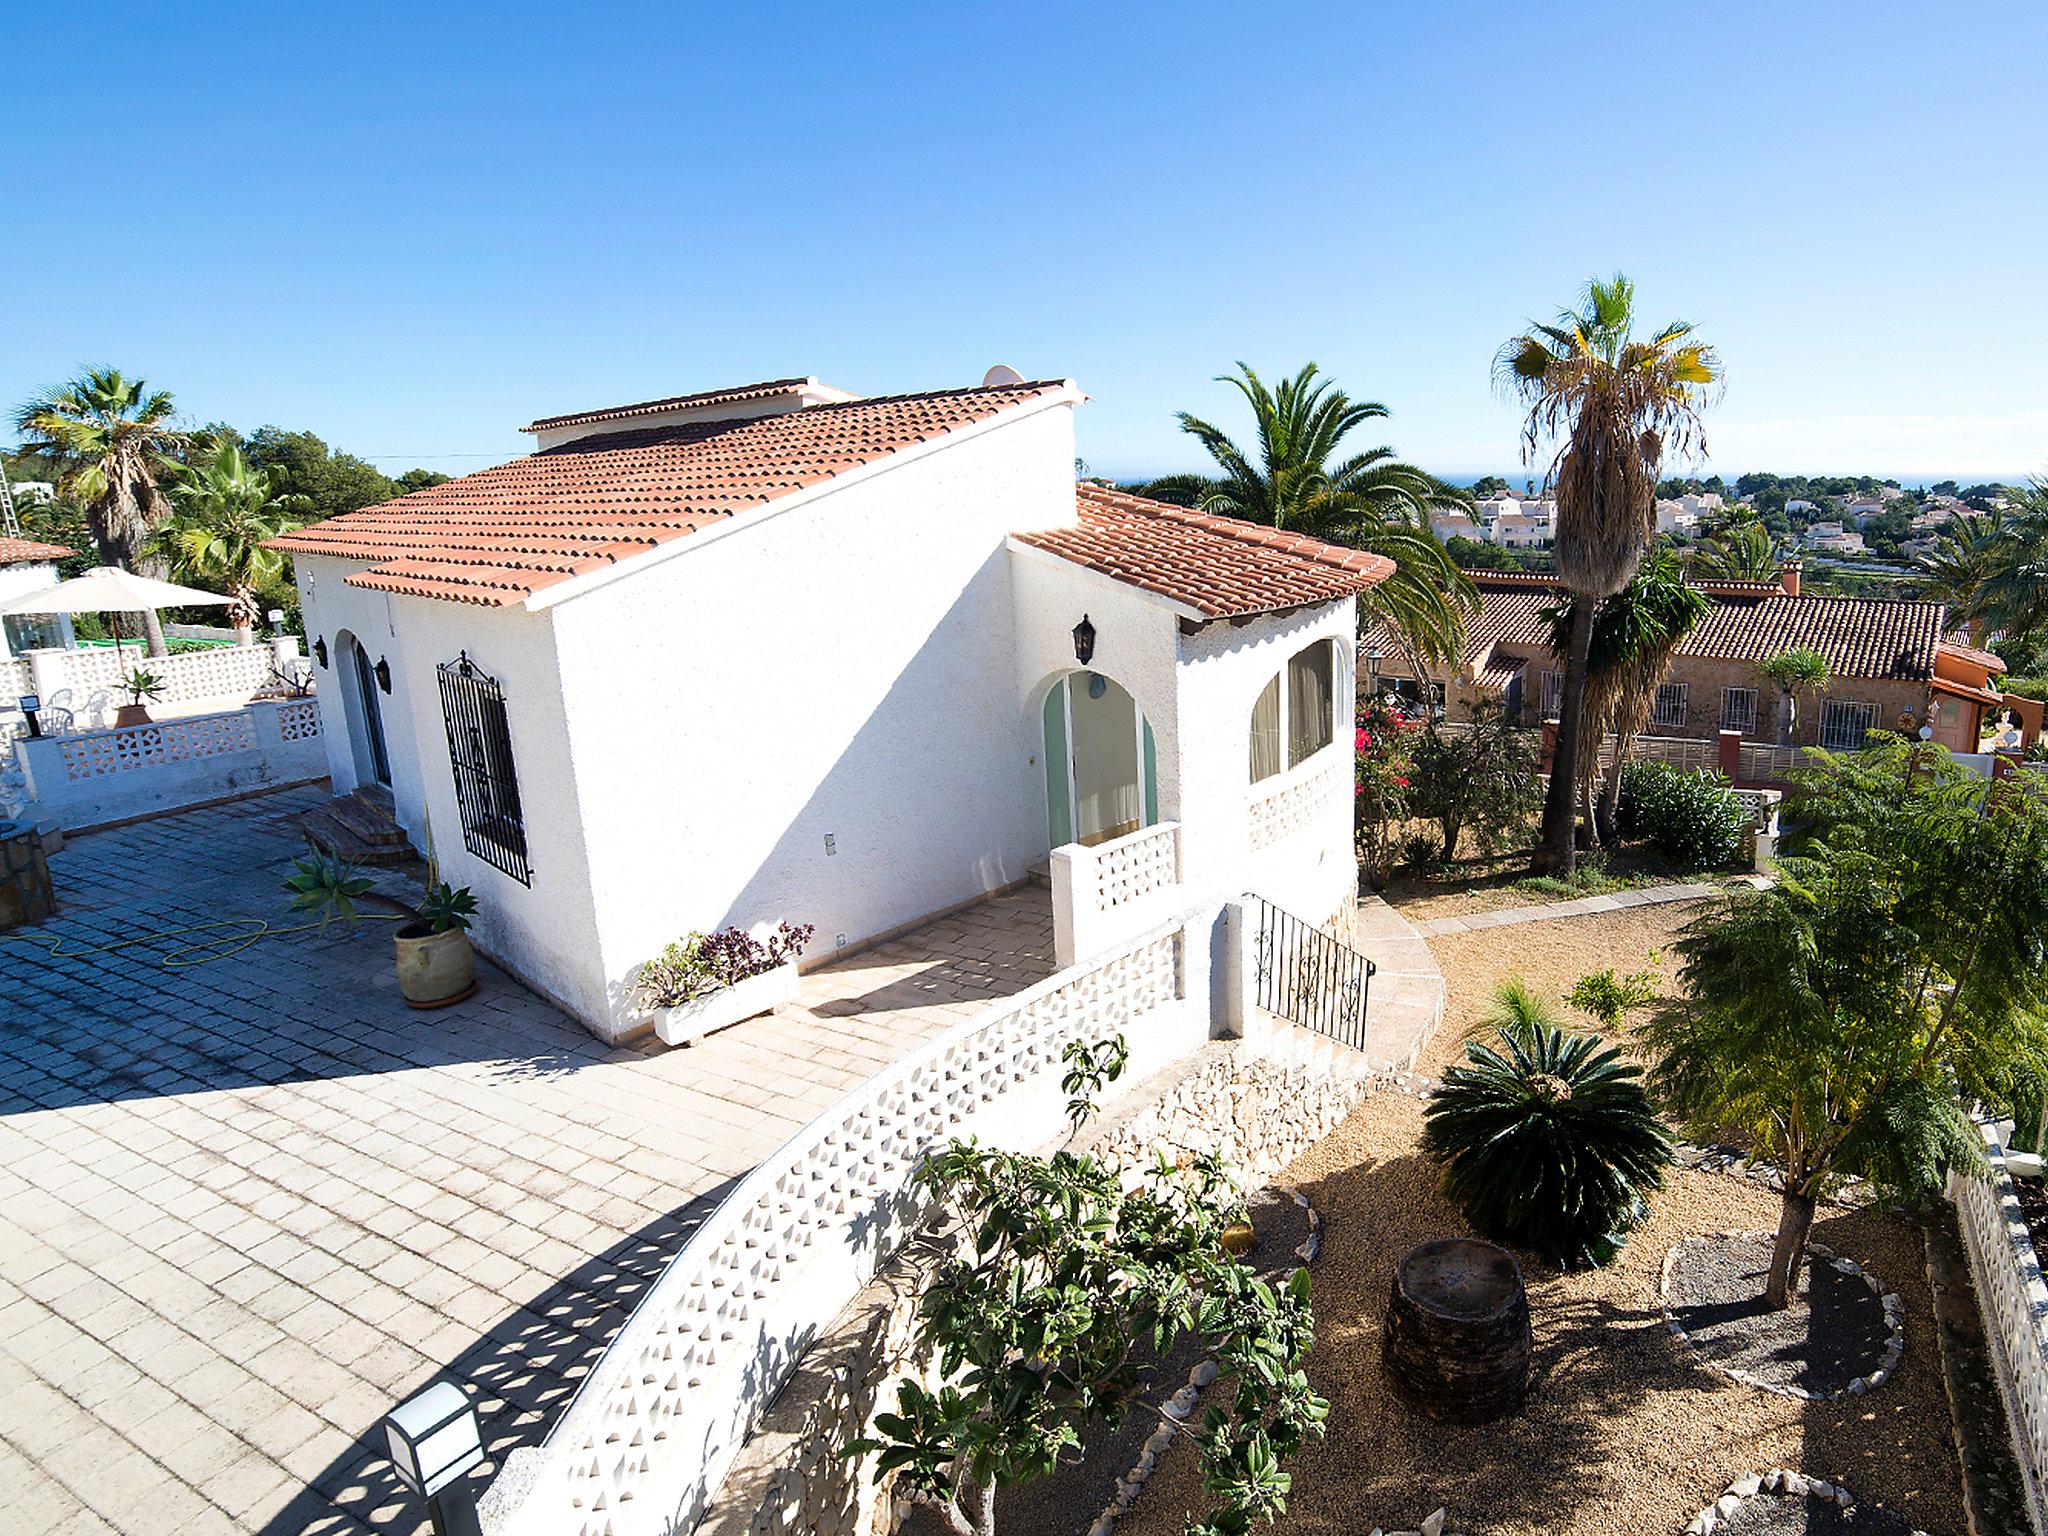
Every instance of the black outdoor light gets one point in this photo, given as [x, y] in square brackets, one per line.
[383, 671]
[434, 1442]
[320, 651]
[1084, 641]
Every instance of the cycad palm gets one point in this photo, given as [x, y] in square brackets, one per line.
[1548, 1140]
[112, 440]
[1616, 404]
[227, 509]
[1293, 478]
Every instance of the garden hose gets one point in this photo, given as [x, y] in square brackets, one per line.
[198, 952]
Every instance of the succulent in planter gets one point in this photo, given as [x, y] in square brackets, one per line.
[709, 980]
[139, 685]
[436, 965]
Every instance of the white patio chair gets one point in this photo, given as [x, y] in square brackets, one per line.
[55, 714]
[96, 706]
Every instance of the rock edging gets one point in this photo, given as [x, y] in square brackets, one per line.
[1779, 1482]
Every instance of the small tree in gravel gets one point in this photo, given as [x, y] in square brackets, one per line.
[1481, 780]
[1036, 1320]
[1828, 1023]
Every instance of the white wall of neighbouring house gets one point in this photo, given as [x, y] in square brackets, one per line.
[545, 931]
[18, 581]
[843, 669]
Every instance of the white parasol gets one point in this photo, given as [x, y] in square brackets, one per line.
[109, 589]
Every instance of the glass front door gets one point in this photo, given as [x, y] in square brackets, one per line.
[1101, 764]
[373, 715]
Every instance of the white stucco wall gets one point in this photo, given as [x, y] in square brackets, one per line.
[22, 579]
[843, 668]
[546, 931]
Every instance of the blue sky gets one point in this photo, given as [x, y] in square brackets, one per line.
[412, 228]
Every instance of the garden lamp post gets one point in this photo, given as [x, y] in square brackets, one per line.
[434, 1442]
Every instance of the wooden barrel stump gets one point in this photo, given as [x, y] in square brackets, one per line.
[1456, 1345]
[25, 895]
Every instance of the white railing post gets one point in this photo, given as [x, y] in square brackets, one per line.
[1074, 872]
[47, 674]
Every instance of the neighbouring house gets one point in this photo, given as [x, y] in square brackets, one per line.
[1800, 504]
[1455, 525]
[1672, 517]
[27, 566]
[1833, 539]
[1521, 530]
[1891, 666]
[784, 653]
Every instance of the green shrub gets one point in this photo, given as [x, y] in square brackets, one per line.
[1693, 819]
[1422, 851]
[1548, 1140]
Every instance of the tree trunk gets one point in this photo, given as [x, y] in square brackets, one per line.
[1557, 852]
[153, 632]
[1610, 793]
[1593, 838]
[1451, 826]
[1795, 1222]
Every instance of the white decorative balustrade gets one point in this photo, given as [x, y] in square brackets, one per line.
[1279, 813]
[231, 673]
[2014, 1300]
[84, 779]
[654, 1427]
[1108, 892]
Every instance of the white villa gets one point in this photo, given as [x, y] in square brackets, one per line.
[780, 652]
[27, 566]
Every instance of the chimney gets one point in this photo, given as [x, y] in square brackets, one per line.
[1788, 575]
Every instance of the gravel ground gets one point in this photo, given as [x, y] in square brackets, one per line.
[1550, 956]
[1625, 1433]
[1775, 1514]
[1833, 1332]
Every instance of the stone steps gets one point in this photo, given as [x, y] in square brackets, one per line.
[358, 828]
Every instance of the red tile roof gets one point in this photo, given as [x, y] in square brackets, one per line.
[766, 389]
[1219, 566]
[1860, 637]
[498, 536]
[21, 551]
[1975, 655]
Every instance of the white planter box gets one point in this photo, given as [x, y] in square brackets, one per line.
[728, 1005]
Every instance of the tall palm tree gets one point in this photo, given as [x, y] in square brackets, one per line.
[1615, 403]
[226, 509]
[1960, 567]
[2015, 594]
[112, 441]
[1635, 634]
[1741, 551]
[1293, 478]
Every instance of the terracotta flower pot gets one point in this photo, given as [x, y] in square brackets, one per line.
[434, 969]
[132, 714]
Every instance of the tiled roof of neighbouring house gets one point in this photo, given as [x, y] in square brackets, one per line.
[498, 536]
[1860, 637]
[710, 397]
[21, 551]
[1219, 566]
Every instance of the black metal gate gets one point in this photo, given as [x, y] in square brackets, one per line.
[480, 750]
[1308, 978]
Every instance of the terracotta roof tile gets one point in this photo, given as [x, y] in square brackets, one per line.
[1860, 637]
[500, 535]
[1219, 566]
[761, 391]
[22, 551]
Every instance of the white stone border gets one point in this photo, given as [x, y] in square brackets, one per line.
[1776, 1483]
[1894, 1318]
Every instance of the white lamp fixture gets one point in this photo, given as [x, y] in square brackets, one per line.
[434, 1441]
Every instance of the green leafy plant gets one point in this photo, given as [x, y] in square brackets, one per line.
[1422, 851]
[445, 907]
[1797, 670]
[704, 962]
[1036, 1317]
[1836, 1023]
[1547, 1138]
[1610, 998]
[1482, 779]
[329, 886]
[1090, 1069]
[142, 684]
[1693, 819]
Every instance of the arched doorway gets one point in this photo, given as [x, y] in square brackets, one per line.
[362, 703]
[1101, 764]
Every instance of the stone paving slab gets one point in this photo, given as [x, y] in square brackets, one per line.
[247, 1205]
[1406, 1001]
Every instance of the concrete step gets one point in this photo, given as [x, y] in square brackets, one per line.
[331, 834]
[1041, 874]
[368, 821]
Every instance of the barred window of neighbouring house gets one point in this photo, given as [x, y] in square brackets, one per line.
[1844, 723]
[1738, 709]
[1553, 694]
[1670, 708]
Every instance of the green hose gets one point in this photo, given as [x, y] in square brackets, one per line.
[184, 956]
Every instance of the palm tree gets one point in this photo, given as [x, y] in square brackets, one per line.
[2015, 594]
[1740, 551]
[1961, 565]
[1635, 634]
[1797, 669]
[1369, 500]
[1617, 404]
[227, 509]
[113, 444]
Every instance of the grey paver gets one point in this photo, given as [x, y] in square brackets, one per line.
[247, 1205]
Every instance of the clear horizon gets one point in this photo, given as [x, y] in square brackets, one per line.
[411, 230]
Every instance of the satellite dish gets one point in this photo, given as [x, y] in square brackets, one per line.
[1002, 373]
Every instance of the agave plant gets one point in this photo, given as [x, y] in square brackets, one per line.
[1547, 1138]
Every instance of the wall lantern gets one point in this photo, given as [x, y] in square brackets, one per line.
[383, 671]
[1084, 641]
[434, 1440]
[320, 651]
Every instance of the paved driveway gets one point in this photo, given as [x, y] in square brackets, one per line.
[248, 1204]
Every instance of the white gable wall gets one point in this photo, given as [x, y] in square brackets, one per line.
[842, 668]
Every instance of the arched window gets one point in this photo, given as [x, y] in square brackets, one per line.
[1290, 725]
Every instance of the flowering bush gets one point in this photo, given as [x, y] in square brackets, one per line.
[704, 962]
[1385, 756]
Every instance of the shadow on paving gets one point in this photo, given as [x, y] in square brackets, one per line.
[522, 1373]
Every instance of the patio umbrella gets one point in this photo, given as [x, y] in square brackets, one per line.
[109, 589]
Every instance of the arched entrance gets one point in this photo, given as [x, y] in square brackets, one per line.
[1101, 765]
[361, 699]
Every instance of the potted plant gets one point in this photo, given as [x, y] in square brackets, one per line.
[140, 685]
[436, 966]
[709, 980]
